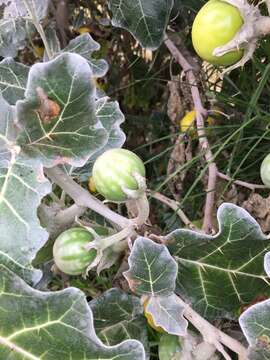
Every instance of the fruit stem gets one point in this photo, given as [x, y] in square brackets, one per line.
[105, 242]
[143, 208]
[83, 198]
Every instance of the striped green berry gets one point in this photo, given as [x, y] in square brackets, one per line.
[69, 251]
[265, 171]
[114, 171]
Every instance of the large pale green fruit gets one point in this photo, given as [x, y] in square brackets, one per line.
[69, 251]
[265, 171]
[114, 170]
[215, 25]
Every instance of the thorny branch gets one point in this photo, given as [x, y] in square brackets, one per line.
[201, 113]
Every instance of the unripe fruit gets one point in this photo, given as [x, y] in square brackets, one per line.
[215, 25]
[115, 171]
[265, 171]
[70, 255]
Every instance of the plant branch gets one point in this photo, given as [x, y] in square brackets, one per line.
[68, 215]
[247, 185]
[174, 205]
[214, 336]
[83, 198]
[201, 113]
[38, 27]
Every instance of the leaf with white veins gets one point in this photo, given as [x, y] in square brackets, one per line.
[22, 186]
[13, 79]
[146, 20]
[167, 313]
[57, 117]
[38, 325]
[85, 45]
[152, 270]
[218, 274]
[118, 317]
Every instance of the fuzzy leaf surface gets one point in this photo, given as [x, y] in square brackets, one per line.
[152, 270]
[16, 23]
[118, 317]
[13, 79]
[85, 46]
[255, 324]
[52, 325]
[218, 274]
[167, 312]
[145, 20]
[22, 186]
[66, 129]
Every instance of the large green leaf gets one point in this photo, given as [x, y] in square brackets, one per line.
[22, 186]
[73, 133]
[152, 273]
[13, 79]
[36, 325]
[146, 20]
[118, 317]
[255, 324]
[218, 274]
[15, 24]
[152, 270]
[85, 46]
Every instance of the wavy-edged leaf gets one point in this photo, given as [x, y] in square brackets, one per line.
[15, 24]
[255, 324]
[22, 186]
[44, 325]
[85, 46]
[111, 117]
[64, 130]
[146, 20]
[167, 313]
[118, 317]
[218, 274]
[13, 80]
[152, 270]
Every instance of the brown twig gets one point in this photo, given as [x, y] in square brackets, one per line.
[214, 336]
[201, 113]
[174, 205]
[245, 184]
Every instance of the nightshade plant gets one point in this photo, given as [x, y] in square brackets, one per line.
[54, 125]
